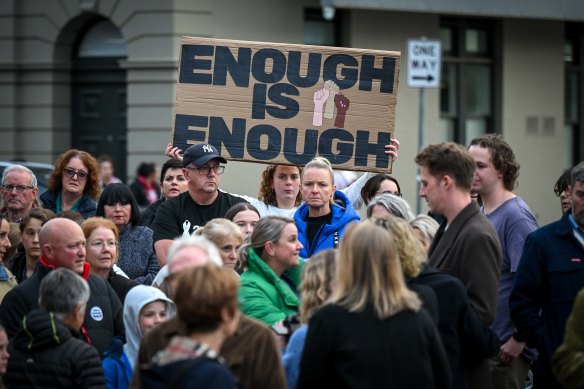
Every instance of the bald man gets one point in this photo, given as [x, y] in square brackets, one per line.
[251, 353]
[63, 246]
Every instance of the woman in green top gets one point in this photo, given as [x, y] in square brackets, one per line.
[268, 288]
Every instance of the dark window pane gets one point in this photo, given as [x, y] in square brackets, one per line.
[446, 36]
[476, 42]
[318, 32]
[448, 90]
[478, 89]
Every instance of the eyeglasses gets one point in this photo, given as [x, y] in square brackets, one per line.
[398, 194]
[559, 191]
[19, 188]
[100, 244]
[205, 170]
[81, 175]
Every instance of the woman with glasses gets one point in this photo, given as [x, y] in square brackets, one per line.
[137, 257]
[74, 184]
[380, 184]
[102, 253]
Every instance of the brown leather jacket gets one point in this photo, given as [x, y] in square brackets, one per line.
[251, 354]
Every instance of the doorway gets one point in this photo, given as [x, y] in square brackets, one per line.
[98, 100]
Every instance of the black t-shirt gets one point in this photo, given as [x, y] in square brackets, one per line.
[314, 224]
[176, 215]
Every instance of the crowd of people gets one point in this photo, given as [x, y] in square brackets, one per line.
[172, 282]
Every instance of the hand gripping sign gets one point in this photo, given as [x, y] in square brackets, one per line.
[285, 103]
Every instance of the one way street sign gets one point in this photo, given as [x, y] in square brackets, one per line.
[424, 63]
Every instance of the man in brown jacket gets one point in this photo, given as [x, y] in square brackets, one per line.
[466, 244]
[251, 354]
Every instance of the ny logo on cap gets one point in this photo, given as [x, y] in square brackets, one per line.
[207, 148]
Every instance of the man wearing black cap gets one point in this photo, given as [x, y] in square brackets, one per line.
[203, 201]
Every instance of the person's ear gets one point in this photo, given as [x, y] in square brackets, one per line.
[47, 252]
[334, 190]
[269, 248]
[447, 181]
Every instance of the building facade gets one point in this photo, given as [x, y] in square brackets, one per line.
[100, 75]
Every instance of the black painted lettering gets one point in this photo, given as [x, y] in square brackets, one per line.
[312, 71]
[189, 64]
[254, 142]
[344, 146]
[278, 94]
[234, 139]
[259, 66]
[370, 72]
[258, 105]
[349, 71]
[238, 68]
[363, 149]
[310, 145]
[183, 133]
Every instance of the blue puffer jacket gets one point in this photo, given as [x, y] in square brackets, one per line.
[343, 215]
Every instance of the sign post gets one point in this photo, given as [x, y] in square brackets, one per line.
[424, 69]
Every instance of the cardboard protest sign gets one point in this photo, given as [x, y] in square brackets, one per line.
[285, 104]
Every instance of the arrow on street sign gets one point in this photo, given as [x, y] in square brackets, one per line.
[428, 78]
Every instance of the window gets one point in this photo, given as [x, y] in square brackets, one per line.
[573, 92]
[467, 90]
[318, 31]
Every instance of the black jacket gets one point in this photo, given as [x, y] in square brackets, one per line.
[46, 353]
[148, 215]
[87, 205]
[17, 264]
[466, 339]
[103, 316]
[121, 285]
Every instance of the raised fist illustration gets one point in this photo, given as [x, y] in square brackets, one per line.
[342, 104]
[329, 108]
[319, 99]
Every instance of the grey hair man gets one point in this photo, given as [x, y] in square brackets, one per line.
[49, 338]
[252, 353]
[19, 192]
[549, 276]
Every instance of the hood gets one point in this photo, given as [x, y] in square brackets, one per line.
[40, 331]
[342, 209]
[136, 299]
[343, 214]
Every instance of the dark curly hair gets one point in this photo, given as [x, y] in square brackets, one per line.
[92, 187]
[502, 157]
[267, 193]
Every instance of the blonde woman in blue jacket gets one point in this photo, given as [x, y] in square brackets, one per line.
[325, 212]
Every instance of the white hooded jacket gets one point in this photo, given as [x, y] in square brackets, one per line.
[136, 299]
